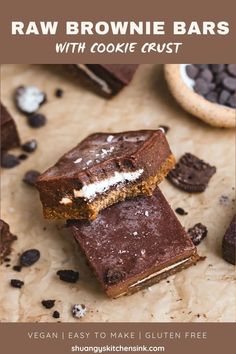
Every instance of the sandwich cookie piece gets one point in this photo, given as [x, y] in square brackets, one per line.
[102, 170]
[134, 244]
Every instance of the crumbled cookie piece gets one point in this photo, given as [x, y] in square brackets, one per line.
[191, 174]
[59, 92]
[48, 304]
[16, 283]
[29, 98]
[68, 275]
[56, 314]
[197, 233]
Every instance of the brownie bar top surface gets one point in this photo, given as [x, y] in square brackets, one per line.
[101, 155]
[132, 237]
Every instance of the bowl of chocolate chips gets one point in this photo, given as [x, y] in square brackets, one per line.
[207, 91]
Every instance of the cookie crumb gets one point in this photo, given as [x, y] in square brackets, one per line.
[48, 304]
[68, 275]
[79, 311]
[16, 283]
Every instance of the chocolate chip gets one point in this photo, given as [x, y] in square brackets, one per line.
[229, 83]
[191, 174]
[23, 157]
[181, 211]
[9, 160]
[113, 276]
[37, 120]
[17, 268]
[197, 233]
[69, 276]
[201, 86]
[232, 69]
[30, 146]
[192, 71]
[30, 177]
[16, 283]
[56, 314]
[29, 257]
[165, 128]
[79, 311]
[48, 304]
[59, 93]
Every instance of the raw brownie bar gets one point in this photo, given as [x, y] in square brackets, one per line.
[107, 79]
[134, 244]
[102, 170]
[6, 239]
[229, 242]
[9, 135]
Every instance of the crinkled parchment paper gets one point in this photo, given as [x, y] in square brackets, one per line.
[205, 292]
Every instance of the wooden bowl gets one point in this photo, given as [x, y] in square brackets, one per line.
[181, 87]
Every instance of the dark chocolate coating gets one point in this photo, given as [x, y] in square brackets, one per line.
[9, 135]
[115, 75]
[144, 149]
[132, 238]
[6, 239]
[229, 242]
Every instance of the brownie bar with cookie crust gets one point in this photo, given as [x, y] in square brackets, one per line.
[134, 244]
[102, 170]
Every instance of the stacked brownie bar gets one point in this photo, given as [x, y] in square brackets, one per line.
[107, 189]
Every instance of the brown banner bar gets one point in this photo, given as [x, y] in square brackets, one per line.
[170, 338]
[171, 31]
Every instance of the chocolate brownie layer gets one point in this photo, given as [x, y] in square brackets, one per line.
[9, 135]
[134, 244]
[102, 170]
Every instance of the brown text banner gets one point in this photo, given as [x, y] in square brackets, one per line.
[97, 32]
[171, 338]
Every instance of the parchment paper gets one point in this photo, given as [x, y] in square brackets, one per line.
[205, 292]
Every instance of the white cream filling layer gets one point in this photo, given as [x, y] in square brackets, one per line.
[89, 191]
[159, 272]
[94, 77]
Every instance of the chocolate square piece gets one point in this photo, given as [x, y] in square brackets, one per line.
[229, 243]
[9, 135]
[6, 239]
[102, 170]
[107, 79]
[134, 244]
